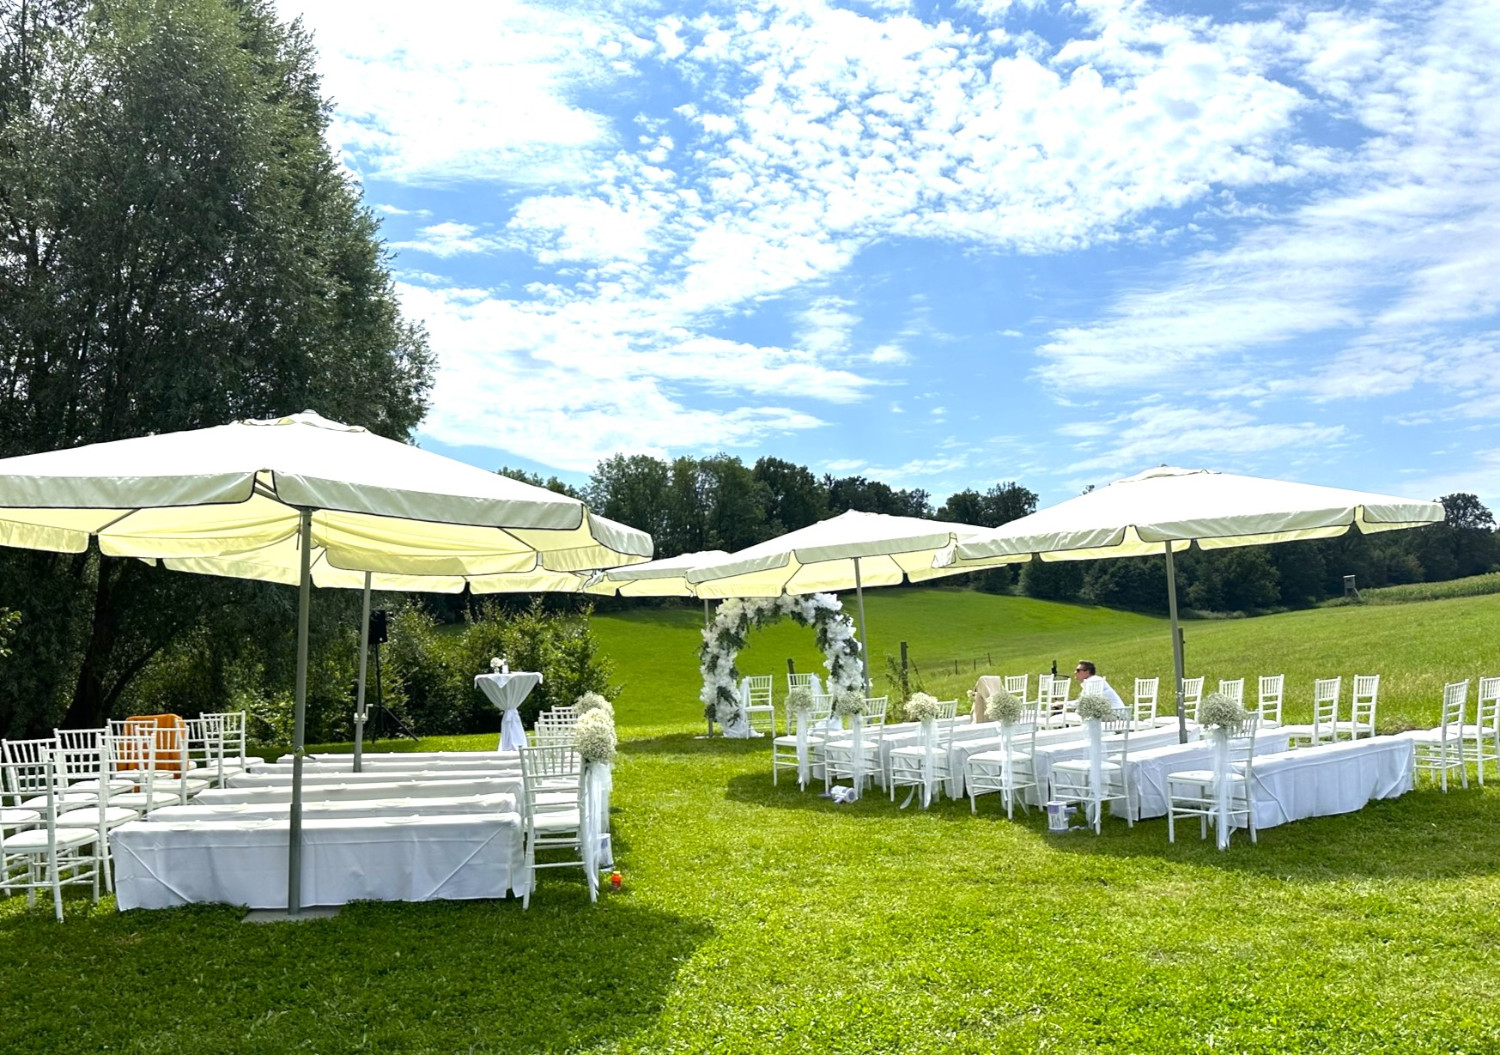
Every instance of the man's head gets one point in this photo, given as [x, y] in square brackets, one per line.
[1084, 670]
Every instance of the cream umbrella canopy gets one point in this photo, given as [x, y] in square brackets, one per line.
[851, 550]
[1167, 509]
[361, 502]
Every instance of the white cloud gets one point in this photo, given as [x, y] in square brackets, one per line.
[448, 240]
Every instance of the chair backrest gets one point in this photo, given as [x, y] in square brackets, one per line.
[822, 707]
[1362, 704]
[80, 753]
[1242, 745]
[130, 752]
[228, 728]
[873, 710]
[1272, 688]
[1043, 689]
[947, 710]
[1455, 702]
[545, 770]
[1146, 691]
[1234, 688]
[1016, 685]
[554, 729]
[804, 681]
[28, 767]
[1116, 732]
[1192, 696]
[1487, 707]
[1326, 692]
[759, 686]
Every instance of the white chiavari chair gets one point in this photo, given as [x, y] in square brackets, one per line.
[756, 700]
[1362, 704]
[800, 681]
[1325, 723]
[1442, 748]
[46, 856]
[1195, 792]
[1485, 732]
[1272, 689]
[784, 748]
[1234, 688]
[838, 754]
[987, 771]
[1146, 691]
[905, 766]
[552, 823]
[1192, 697]
[1073, 780]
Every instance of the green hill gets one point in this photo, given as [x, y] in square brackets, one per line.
[1415, 647]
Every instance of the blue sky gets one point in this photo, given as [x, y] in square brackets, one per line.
[944, 245]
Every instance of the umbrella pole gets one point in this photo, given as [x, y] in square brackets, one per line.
[359, 697]
[1176, 644]
[864, 638]
[706, 624]
[299, 724]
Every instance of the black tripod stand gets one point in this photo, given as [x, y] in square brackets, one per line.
[383, 716]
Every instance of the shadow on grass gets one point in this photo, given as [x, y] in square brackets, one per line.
[698, 744]
[1425, 834]
[439, 976]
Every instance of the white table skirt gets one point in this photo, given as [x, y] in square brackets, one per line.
[329, 809]
[498, 764]
[383, 859]
[273, 777]
[381, 758]
[391, 788]
[1331, 779]
[1147, 771]
[507, 691]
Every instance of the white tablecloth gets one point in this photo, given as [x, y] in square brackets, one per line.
[510, 763]
[327, 809]
[381, 859]
[274, 776]
[390, 788]
[507, 691]
[1331, 778]
[1147, 771]
[403, 760]
[1048, 755]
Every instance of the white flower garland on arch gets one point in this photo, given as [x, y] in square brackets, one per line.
[736, 617]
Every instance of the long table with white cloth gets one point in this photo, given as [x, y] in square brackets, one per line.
[1331, 778]
[327, 809]
[1147, 770]
[393, 787]
[244, 862]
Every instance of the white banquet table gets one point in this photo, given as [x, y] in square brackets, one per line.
[1331, 778]
[498, 764]
[244, 862]
[259, 779]
[400, 758]
[328, 809]
[1147, 770]
[390, 788]
[507, 692]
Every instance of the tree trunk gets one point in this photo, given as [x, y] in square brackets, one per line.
[89, 709]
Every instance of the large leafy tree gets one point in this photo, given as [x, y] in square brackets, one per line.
[178, 248]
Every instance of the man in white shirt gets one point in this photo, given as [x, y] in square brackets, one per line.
[1091, 683]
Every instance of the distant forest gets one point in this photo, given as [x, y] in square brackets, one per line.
[719, 502]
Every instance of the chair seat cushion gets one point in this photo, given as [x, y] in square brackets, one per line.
[33, 839]
[1081, 765]
[562, 821]
[10, 816]
[1201, 776]
[140, 800]
[64, 800]
[1434, 737]
[88, 817]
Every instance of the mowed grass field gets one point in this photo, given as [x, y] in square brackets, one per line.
[759, 918]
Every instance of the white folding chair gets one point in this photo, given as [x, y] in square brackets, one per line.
[1362, 705]
[906, 765]
[47, 856]
[554, 728]
[1192, 696]
[986, 771]
[1272, 688]
[756, 697]
[85, 757]
[1060, 709]
[838, 754]
[800, 681]
[1325, 723]
[1195, 792]
[1234, 688]
[1073, 780]
[1485, 732]
[1442, 748]
[24, 778]
[130, 754]
[1146, 690]
[552, 822]
[784, 748]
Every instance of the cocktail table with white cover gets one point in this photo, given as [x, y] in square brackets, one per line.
[507, 692]
[1331, 779]
[378, 859]
[1147, 770]
[331, 809]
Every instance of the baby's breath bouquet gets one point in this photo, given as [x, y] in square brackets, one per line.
[1003, 707]
[848, 704]
[1221, 711]
[1095, 705]
[922, 707]
[592, 701]
[594, 736]
[800, 702]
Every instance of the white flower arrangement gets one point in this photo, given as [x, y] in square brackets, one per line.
[592, 701]
[922, 707]
[1220, 711]
[1095, 705]
[496, 663]
[594, 736]
[800, 701]
[1004, 707]
[846, 704]
[734, 620]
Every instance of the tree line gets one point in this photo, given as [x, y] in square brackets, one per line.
[719, 502]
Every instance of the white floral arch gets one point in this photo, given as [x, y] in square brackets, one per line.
[726, 635]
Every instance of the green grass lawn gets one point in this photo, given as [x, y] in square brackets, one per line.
[756, 918]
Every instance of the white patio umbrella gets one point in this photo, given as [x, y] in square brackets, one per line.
[666, 577]
[1167, 509]
[853, 549]
[335, 492]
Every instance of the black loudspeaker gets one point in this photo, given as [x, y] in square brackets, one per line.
[377, 627]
